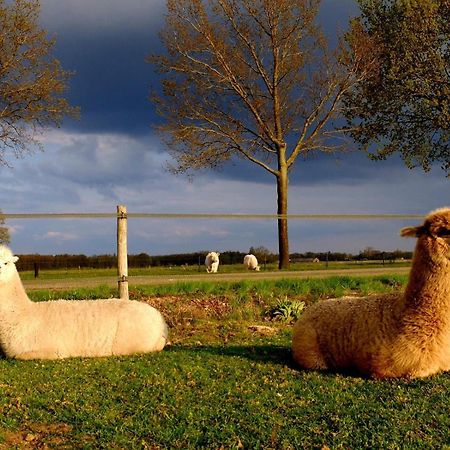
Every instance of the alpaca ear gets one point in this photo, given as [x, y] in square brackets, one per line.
[15, 258]
[411, 231]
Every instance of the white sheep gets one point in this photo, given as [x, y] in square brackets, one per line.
[251, 263]
[62, 328]
[385, 336]
[212, 262]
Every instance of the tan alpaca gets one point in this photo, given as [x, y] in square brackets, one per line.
[387, 336]
[61, 329]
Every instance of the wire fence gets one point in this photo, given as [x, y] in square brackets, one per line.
[38, 262]
[212, 216]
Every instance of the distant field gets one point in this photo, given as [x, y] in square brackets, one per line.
[195, 269]
[62, 279]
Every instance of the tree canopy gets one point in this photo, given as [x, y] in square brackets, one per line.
[31, 80]
[404, 106]
[4, 231]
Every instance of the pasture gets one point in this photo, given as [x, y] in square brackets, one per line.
[226, 381]
[200, 269]
[88, 277]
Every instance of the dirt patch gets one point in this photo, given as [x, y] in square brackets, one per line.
[193, 318]
[263, 329]
[187, 308]
[205, 319]
[38, 436]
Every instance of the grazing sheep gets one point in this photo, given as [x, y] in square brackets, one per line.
[212, 262]
[405, 335]
[251, 263]
[61, 329]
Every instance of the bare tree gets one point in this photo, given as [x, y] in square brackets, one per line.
[253, 79]
[31, 81]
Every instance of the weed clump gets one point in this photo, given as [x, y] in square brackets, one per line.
[286, 310]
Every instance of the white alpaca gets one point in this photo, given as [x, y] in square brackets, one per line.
[251, 263]
[406, 335]
[62, 328]
[212, 262]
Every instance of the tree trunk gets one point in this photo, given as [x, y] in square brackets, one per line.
[282, 199]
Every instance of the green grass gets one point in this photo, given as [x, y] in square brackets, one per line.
[307, 288]
[221, 384]
[73, 294]
[218, 396]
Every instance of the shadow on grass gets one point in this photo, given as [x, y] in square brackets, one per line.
[275, 354]
[272, 354]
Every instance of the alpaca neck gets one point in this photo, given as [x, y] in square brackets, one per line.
[12, 293]
[429, 280]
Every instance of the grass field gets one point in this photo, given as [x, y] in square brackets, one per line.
[195, 269]
[226, 381]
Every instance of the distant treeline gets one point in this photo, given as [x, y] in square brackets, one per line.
[65, 261]
[368, 254]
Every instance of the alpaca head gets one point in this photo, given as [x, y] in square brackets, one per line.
[214, 256]
[7, 264]
[434, 233]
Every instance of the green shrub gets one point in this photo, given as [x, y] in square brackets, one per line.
[287, 310]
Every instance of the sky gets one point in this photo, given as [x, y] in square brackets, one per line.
[112, 156]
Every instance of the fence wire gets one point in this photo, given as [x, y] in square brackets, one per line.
[211, 216]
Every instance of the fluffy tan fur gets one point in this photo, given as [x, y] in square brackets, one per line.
[387, 336]
[61, 329]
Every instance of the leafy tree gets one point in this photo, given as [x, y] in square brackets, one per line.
[4, 231]
[255, 80]
[404, 107]
[31, 81]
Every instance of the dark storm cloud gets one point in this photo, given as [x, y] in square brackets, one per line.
[111, 82]
[105, 44]
[334, 15]
[346, 168]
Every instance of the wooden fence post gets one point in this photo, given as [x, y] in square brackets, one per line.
[122, 252]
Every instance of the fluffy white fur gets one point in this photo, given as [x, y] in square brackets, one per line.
[212, 262]
[61, 329]
[250, 262]
[386, 336]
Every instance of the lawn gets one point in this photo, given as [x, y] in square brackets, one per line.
[226, 381]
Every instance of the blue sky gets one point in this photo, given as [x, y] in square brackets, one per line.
[112, 156]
